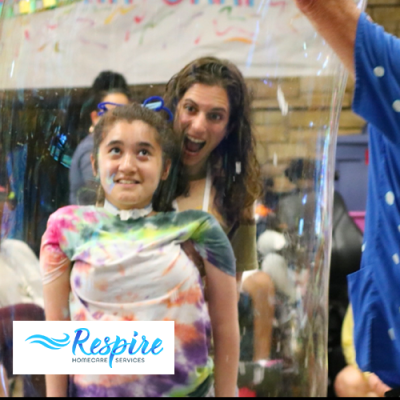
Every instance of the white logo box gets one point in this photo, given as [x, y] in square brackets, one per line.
[45, 347]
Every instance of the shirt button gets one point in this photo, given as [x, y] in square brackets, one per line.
[389, 197]
[396, 106]
[379, 71]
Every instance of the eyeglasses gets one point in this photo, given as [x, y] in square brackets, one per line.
[155, 103]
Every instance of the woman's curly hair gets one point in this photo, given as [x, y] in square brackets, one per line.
[236, 190]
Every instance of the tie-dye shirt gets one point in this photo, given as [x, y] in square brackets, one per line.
[135, 270]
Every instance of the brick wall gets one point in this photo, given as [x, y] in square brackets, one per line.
[386, 13]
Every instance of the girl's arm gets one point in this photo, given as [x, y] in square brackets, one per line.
[222, 303]
[56, 305]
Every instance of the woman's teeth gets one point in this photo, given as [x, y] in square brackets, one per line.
[194, 145]
[195, 140]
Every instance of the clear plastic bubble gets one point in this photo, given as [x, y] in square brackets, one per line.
[51, 53]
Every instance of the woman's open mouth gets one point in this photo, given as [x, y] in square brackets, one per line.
[193, 145]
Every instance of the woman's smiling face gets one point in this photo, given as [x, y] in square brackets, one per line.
[202, 115]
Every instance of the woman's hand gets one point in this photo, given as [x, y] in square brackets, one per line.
[336, 21]
[305, 5]
[222, 305]
[194, 256]
[377, 386]
[313, 6]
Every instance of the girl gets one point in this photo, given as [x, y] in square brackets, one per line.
[128, 264]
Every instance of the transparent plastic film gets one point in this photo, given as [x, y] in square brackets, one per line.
[250, 141]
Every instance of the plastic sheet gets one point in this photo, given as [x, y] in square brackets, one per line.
[51, 52]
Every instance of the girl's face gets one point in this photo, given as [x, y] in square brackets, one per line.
[203, 116]
[130, 164]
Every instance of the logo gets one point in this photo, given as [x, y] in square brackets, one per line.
[115, 348]
[52, 344]
[93, 347]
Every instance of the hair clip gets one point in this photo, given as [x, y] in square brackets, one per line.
[103, 107]
[155, 103]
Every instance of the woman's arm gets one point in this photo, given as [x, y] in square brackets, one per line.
[336, 21]
[222, 302]
[244, 246]
[56, 305]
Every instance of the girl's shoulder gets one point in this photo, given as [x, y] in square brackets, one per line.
[78, 215]
[73, 210]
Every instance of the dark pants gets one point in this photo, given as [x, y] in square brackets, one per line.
[246, 324]
[34, 385]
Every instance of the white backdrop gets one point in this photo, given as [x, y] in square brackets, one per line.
[150, 40]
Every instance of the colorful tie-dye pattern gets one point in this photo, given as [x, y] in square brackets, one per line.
[135, 270]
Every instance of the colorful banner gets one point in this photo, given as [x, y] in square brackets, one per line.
[149, 41]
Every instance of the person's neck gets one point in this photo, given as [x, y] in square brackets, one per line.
[197, 172]
[128, 208]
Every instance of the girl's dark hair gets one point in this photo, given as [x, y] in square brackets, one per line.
[107, 82]
[176, 183]
[234, 191]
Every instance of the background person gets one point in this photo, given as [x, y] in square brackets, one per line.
[110, 87]
[350, 381]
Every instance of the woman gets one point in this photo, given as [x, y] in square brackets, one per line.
[211, 104]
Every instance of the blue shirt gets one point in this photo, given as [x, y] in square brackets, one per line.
[80, 173]
[375, 288]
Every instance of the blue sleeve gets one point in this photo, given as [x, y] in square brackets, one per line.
[377, 91]
[81, 173]
[74, 178]
[85, 166]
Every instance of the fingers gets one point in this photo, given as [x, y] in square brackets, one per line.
[193, 255]
[377, 386]
[304, 5]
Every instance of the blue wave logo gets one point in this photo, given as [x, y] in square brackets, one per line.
[50, 343]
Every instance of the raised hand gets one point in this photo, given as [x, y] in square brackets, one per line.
[377, 386]
[336, 21]
[305, 5]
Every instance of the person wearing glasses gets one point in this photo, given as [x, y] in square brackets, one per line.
[108, 87]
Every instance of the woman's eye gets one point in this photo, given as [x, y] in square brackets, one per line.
[189, 108]
[215, 117]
